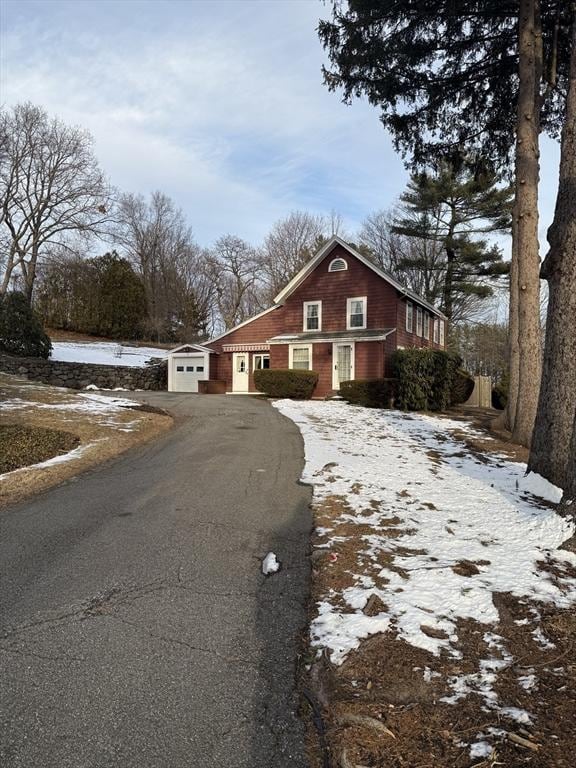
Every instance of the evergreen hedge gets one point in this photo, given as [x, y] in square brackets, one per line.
[425, 378]
[371, 393]
[500, 396]
[462, 387]
[292, 383]
[21, 332]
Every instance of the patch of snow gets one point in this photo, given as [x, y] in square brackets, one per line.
[14, 404]
[408, 475]
[527, 681]
[76, 453]
[541, 639]
[516, 714]
[103, 353]
[539, 486]
[270, 564]
[480, 749]
[429, 674]
[341, 632]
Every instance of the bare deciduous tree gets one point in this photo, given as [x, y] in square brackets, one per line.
[51, 187]
[235, 272]
[159, 242]
[290, 244]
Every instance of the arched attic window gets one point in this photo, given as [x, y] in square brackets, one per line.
[337, 265]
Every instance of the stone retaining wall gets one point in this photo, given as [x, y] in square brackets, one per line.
[80, 375]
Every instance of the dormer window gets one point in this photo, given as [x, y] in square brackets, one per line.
[337, 265]
[356, 313]
[312, 316]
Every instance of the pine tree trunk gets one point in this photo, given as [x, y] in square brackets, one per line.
[550, 455]
[568, 505]
[506, 419]
[526, 208]
[448, 282]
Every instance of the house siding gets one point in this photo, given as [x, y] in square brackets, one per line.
[406, 339]
[334, 288]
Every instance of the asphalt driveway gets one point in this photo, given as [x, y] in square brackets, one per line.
[136, 626]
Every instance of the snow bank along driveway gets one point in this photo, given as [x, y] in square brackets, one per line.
[463, 529]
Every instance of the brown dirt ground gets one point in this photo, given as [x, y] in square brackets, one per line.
[382, 683]
[102, 432]
[21, 446]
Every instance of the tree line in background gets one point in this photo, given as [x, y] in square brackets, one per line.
[156, 282]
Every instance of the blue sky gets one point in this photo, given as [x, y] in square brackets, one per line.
[218, 103]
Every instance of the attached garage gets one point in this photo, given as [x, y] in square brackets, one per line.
[187, 365]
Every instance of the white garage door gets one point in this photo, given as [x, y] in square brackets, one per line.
[187, 372]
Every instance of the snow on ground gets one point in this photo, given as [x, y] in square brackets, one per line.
[103, 353]
[270, 564]
[77, 402]
[107, 409]
[406, 474]
[61, 458]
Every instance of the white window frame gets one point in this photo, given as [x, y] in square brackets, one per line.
[436, 331]
[409, 317]
[426, 330]
[364, 301]
[442, 333]
[338, 258]
[262, 355]
[305, 316]
[291, 348]
[419, 326]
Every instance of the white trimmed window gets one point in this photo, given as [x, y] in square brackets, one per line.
[426, 325]
[436, 330]
[356, 313]
[442, 340]
[418, 321]
[312, 315]
[300, 356]
[337, 265]
[260, 361]
[409, 317]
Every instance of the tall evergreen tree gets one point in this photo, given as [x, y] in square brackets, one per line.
[553, 452]
[455, 205]
[21, 331]
[445, 76]
[120, 310]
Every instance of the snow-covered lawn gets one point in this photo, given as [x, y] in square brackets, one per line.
[439, 531]
[103, 353]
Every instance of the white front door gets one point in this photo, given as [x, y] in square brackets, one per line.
[240, 372]
[342, 364]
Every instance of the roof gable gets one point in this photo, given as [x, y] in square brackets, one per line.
[184, 348]
[308, 268]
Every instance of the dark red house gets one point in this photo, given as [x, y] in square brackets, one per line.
[340, 315]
